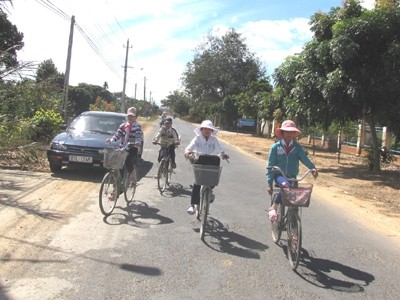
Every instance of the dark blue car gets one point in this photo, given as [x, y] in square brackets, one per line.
[84, 140]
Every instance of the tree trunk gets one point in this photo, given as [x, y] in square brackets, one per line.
[375, 146]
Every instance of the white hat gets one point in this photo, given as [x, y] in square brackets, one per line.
[206, 124]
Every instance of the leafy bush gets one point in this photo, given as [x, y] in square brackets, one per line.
[45, 124]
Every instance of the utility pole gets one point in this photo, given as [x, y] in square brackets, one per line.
[125, 71]
[67, 69]
[135, 90]
[144, 90]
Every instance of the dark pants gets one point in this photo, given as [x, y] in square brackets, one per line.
[171, 152]
[210, 160]
[131, 159]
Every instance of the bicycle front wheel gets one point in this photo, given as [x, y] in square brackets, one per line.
[162, 176]
[205, 205]
[169, 173]
[278, 224]
[108, 193]
[294, 238]
[130, 185]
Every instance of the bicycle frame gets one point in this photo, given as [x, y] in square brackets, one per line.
[290, 219]
[165, 171]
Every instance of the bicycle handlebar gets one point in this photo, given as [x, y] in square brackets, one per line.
[223, 156]
[276, 168]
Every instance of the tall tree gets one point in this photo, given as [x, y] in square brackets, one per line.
[222, 68]
[351, 68]
[10, 43]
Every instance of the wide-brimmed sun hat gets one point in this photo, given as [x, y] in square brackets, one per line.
[131, 111]
[206, 124]
[287, 125]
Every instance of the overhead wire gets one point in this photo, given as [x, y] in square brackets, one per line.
[53, 8]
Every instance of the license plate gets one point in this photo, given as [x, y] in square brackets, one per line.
[81, 159]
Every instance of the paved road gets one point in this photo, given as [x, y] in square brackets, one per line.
[65, 249]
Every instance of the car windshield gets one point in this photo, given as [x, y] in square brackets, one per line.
[100, 124]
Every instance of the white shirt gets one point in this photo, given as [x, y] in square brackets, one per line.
[202, 146]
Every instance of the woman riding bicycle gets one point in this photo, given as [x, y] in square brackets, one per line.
[205, 142]
[286, 154]
[130, 136]
[170, 136]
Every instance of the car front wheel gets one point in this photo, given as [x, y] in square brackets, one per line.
[55, 168]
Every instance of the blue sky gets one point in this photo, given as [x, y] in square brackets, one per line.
[162, 36]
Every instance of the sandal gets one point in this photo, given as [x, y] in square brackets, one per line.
[272, 215]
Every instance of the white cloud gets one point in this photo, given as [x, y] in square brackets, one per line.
[272, 41]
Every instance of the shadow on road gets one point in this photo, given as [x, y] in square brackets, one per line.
[140, 269]
[138, 214]
[316, 272]
[221, 239]
[176, 190]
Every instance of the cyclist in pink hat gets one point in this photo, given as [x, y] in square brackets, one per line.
[286, 153]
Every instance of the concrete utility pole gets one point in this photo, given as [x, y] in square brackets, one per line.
[144, 90]
[67, 69]
[125, 71]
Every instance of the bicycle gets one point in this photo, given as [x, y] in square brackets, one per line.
[208, 177]
[165, 170]
[289, 212]
[114, 183]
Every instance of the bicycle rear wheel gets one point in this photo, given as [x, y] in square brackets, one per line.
[204, 204]
[108, 193]
[162, 176]
[294, 238]
[278, 224]
[129, 185]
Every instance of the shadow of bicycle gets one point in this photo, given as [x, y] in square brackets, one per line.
[321, 272]
[137, 214]
[221, 239]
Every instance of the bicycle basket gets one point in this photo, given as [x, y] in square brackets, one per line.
[299, 196]
[114, 158]
[206, 175]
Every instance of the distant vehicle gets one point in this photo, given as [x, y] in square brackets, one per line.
[83, 141]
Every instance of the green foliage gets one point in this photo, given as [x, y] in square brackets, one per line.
[222, 68]
[45, 124]
[10, 43]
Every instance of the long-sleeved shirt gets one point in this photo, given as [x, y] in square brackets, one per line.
[289, 163]
[168, 136]
[202, 146]
[129, 133]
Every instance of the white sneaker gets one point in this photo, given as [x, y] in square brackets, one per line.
[191, 210]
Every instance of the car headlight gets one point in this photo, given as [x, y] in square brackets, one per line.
[57, 146]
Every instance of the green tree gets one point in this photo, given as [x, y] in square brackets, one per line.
[10, 43]
[222, 68]
[350, 70]
[178, 102]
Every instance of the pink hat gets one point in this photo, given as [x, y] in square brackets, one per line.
[287, 125]
[131, 111]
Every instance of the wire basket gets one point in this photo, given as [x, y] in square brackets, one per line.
[114, 158]
[299, 196]
[206, 175]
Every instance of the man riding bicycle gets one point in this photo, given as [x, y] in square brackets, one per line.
[130, 136]
[170, 136]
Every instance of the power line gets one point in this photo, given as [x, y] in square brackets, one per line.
[53, 8]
